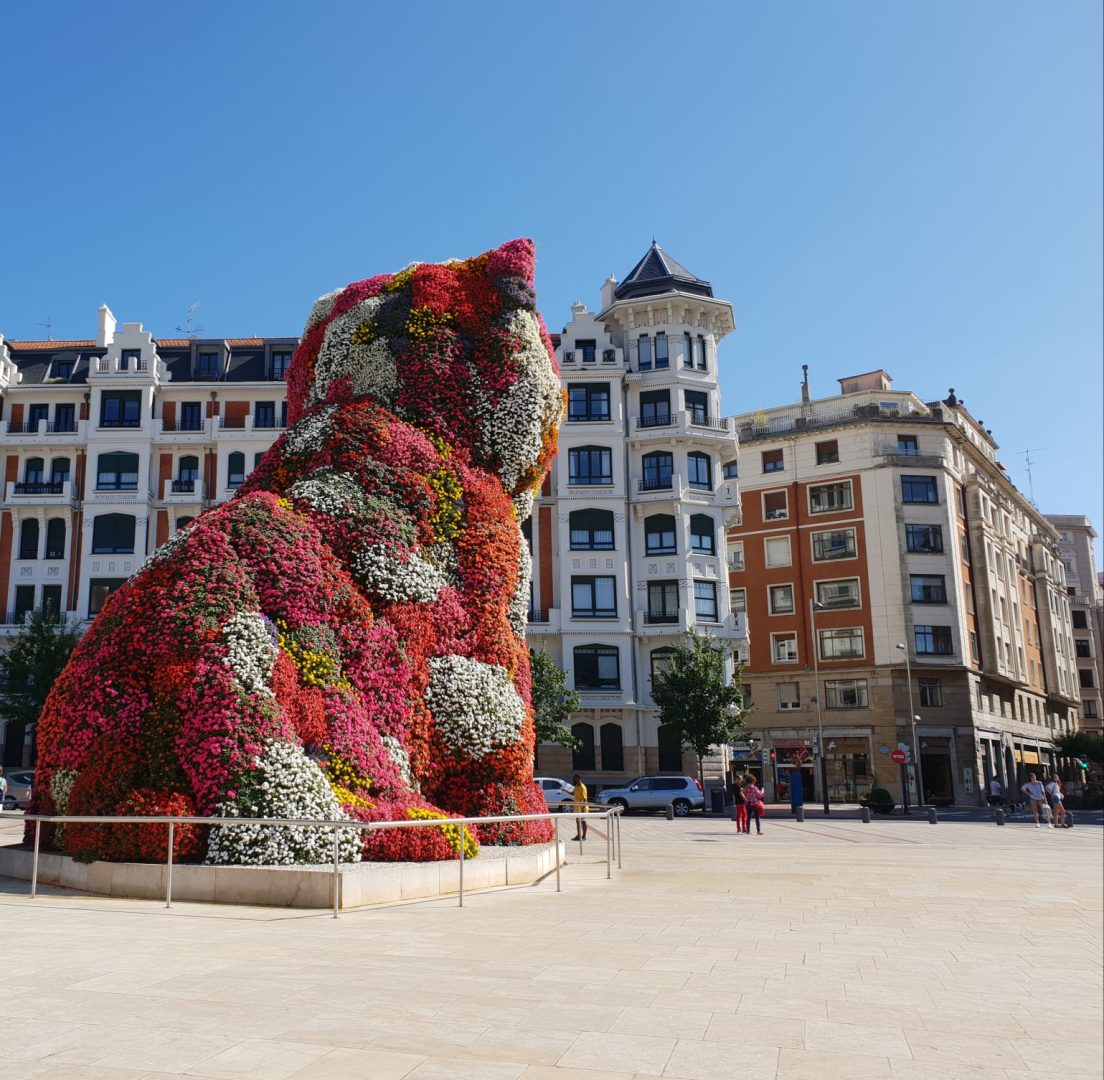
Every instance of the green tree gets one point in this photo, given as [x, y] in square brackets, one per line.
[696, 698]
[553, 701]
[1076, 744]
[28, 670]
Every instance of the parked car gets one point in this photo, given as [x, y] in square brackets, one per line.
[557, 793]
[20, 782]
[684, 793]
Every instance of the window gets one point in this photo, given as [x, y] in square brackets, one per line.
[660, 660]
[281, 361]
[730, 470]
[776, 551]
[659, 469]
[737, 599]
[927, 539]
[644, 352]
[933, 640]
[829, 498]
[705, 600]
[845, 644]
[929, 588]
[591, 530]
[59, 470]
[62, 369]
[703, 534]
[663, 602]
[24, 601]
[975, 652]
[37, 414]
[773, 461]
[775, 506]
[28, 539]
[659, 535]
[827, 453]
[191, 416]
[1085, 675]
[931, 693]
[99, 589]
[65, 418]
[594, 597]
[582, 754]
[687, 350]
[590, 465]
[846, 694]
[838, 594]
[1080, 620]
[655, 408]
[700, 353]
[700, 471]
[588, 401]
[55, 538]
[586, 348]
[906, 444]
[113, 534]
[35, 471]
[51, 599]
[919, 489]
[187, 474]
[697, 405]
[117, 472]
[837, 544]
[264, 414]
[1081, 648]
[780, 599]
[130, 360]
[736, 555]
[613, 751]
[964, 547]
[789, 695]
[1089, 709]
[784, 648]
[235, 469]
[661, 358]
[207, 365]
[121, 409]
[597, 667]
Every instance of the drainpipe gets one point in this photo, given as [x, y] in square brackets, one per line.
[629, 561]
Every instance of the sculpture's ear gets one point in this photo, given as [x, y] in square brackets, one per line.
[516, 258]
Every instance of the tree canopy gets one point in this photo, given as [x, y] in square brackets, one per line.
[553, 701]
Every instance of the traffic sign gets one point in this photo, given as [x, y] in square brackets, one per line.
[898, 756]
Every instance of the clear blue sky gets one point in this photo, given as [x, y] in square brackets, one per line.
[908, 185]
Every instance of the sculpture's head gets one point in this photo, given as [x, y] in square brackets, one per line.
[456, 349]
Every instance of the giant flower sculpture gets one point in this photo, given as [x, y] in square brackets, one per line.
[345, 636]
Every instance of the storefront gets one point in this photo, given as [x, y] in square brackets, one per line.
[849, 768]
[790, 757]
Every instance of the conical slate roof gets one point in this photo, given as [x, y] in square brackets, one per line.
[658, 273]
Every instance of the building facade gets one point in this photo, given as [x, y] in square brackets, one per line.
[628, 533]
[882, 532]
[1075, 548]
[112, 444]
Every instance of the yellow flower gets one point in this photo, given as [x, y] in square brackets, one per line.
[452, 832]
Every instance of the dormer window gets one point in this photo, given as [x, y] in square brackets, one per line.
[281, 361]
[585, 351]
[62, 369]
[207, 365]
[130, 360]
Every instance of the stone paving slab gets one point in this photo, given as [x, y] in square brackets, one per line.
[891, 951]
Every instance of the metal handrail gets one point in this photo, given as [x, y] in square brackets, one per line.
[613, 835]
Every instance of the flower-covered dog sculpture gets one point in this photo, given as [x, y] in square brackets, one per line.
[344, 637]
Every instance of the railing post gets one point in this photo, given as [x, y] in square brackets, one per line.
[34, 861]
[556, 826]
[618, 839]
[461, 827]
[169, 865]
[579, 832]
[609, 846]
[336, 872]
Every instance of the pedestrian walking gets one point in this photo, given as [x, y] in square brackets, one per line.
[1057, 801]
[996, 792]
[1037, 797]
[579, 805]
[754, 795]
[740, 799]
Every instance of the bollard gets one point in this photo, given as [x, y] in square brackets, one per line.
[933, 817]
[800, 811]
[1000, 816]
[670, 811]
[866, 815]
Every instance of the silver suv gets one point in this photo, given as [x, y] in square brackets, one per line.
[684, 793]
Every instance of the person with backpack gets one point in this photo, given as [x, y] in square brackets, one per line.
[754, 795]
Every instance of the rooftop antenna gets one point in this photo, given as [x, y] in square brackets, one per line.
[1026, 455]
[49, 327]
[189, 329]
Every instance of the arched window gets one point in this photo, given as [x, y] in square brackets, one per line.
[189, 468]
[117, 472]
[597, 667]
[59, 470]
[28, 539]
[113, 534]
[35, 471]
[699, 471]
[591, 530]
[582, 758]
[613, 751]
[55, 538]
[659, 468]
[670, 749]
[703, 534]
[235, 469]
[659, 534]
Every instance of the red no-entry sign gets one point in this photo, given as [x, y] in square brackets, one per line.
[898, 756]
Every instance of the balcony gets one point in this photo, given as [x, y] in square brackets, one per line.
[909, 458]
[40, 493]
[543, 621]
[251, 426]
[656, 624]
[656, 484]
[48, 429]
[192, 492]
[682, 422]
[178, 430]
[648, 423]
[735, 560]
[887, 406]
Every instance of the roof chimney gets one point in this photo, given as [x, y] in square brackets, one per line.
[106, 333]
[805, 384]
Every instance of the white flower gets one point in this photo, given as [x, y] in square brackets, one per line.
[401, 759]
[523, 504]
[308, 436]
[251, 652]
[321, 309]
[332, 492]
[371, 366]
[286, 784]
[394, 580]
[475, 705]
[519, 601]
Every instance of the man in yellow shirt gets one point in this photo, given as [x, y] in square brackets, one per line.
[579, 805]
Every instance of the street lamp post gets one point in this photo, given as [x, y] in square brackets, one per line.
[912, 724]
[814, 607]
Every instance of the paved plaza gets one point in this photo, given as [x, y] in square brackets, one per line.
[823, 950]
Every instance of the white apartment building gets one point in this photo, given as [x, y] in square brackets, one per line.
[113, 443]
[628, 534]
[1075, 548]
